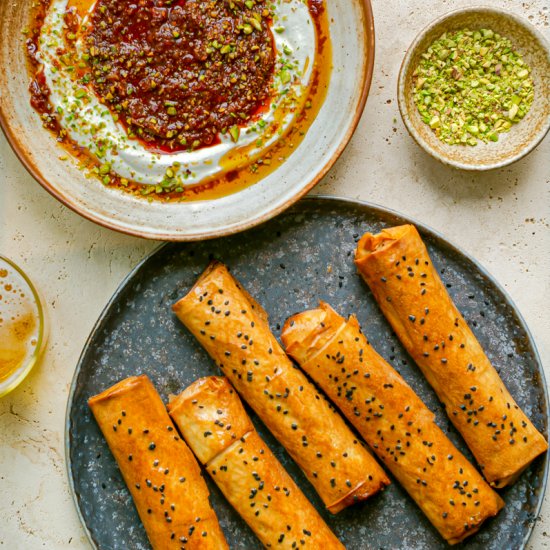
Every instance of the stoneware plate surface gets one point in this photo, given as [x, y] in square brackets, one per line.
[352, 35]
[524, 136]
[289, 264]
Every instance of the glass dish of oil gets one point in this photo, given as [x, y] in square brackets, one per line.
[22, 326]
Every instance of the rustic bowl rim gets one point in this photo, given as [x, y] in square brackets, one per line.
[367, 72]
[405, 65]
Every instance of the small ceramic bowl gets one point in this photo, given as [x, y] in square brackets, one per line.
[351, 29]
[522, 137]
[23, 326]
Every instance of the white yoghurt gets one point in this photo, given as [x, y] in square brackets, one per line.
[90, 123]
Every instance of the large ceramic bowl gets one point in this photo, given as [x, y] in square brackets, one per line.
[352, 34]
[522, 137]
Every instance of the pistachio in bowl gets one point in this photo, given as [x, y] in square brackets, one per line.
[474, 88]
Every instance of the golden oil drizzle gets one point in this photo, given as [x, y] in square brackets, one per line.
[82, 7]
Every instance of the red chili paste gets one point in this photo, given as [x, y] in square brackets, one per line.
[179, 72]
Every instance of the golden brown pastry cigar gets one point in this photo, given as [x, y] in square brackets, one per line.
[393, 421]
[233, 328]
[211, 418]
[396, 266]
[160, 471]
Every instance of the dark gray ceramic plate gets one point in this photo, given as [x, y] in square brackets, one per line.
[288, 264]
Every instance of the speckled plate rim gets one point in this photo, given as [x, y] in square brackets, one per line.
[368, 69]
[424, 230]
[401, 102]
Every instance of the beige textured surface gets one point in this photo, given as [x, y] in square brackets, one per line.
[502, 218]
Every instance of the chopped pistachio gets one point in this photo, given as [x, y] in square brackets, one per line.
[472, 85]
[285, 76]
[234, 132]
[255, 23]
[104, 168]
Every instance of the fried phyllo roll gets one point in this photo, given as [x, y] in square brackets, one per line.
[160, 471]
[212, 419]
[396, 266]
[234, 330]
[392, 419]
